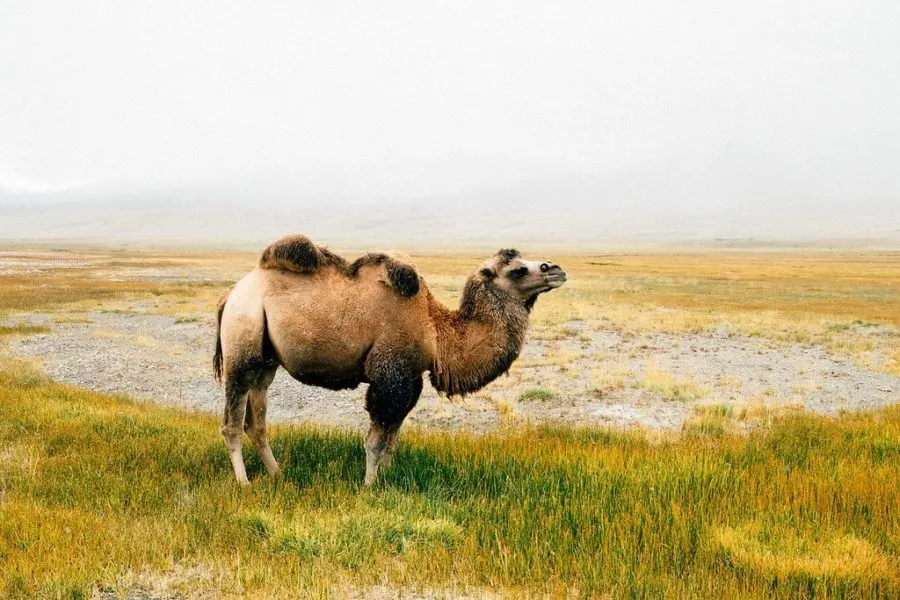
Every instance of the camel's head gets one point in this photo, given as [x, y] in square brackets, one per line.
[522, 279]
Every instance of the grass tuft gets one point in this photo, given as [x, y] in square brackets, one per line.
[892, 365]
[23, 329]
[603, 382]
[536, 394]
[662, 384]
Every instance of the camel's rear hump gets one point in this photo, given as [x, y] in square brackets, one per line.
[298, 254]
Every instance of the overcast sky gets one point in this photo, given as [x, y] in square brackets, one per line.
[425, 98]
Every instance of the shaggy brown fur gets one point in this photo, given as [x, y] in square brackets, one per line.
[373, 321]
[297, 253]
[479, 342]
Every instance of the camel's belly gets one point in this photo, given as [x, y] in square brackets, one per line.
[329, 380]
[325, 363]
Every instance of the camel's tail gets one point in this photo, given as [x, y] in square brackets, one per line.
[217, 357]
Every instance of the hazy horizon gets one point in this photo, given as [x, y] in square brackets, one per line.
[572, 121]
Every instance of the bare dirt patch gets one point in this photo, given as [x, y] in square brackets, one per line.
[601, 378]
[593, 358]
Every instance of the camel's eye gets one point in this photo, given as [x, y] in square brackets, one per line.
[519, 273]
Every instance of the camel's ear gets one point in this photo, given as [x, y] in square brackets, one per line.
[488, 273]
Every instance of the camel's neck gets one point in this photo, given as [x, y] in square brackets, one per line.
[478, 342]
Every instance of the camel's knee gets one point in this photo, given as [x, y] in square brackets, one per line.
[241, 386]
[257, 434]
[233, 436]
[255, 418]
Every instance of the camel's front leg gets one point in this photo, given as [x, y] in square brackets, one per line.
[389, 399]
[377, 441]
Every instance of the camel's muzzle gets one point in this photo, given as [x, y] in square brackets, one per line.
[554, 276]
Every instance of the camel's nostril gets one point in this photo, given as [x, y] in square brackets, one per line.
[545, 267]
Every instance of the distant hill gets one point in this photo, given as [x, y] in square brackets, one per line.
[571, 212]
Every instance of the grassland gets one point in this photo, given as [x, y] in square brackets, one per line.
[99, 493]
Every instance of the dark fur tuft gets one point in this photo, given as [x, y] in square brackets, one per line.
[507, 254]
[372, 258]
[297, 253]
[403, 277]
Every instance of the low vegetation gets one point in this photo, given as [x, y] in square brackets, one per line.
[663, 384]
[102, 494]
[603, 382]
[23, 329]
[710, 421]
[539, 394]
[98, 493]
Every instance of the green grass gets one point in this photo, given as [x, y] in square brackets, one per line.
[536, 394]
[100, 493]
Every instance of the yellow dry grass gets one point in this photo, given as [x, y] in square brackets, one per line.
[893, 364]
[666, 386]
[604, 381]
[780, 551]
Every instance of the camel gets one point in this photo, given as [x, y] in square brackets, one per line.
[335, 324]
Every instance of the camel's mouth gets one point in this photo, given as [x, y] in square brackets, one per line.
[553, 278]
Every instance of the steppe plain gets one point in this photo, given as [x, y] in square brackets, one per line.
[644, 384]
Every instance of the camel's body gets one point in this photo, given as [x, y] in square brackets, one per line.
[323, 327]
[336, 325]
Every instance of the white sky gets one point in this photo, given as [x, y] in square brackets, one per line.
[416, 98]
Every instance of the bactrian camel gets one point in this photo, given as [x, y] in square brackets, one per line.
[335, 324]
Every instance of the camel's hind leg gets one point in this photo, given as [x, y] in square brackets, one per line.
[236, 390]
[255, 420]
[244, 362]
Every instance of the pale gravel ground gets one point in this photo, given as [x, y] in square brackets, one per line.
[157, 358]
